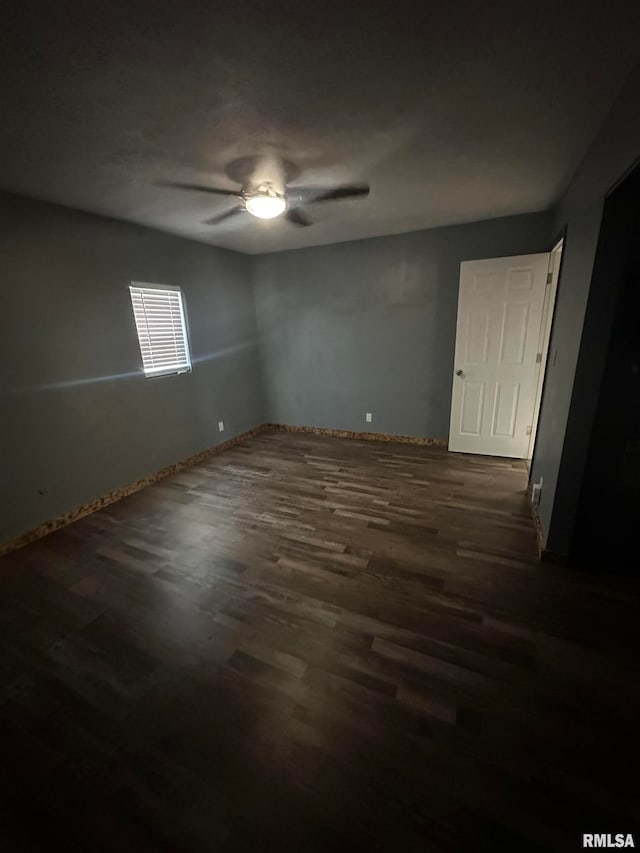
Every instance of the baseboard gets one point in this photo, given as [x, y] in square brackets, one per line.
[362, 436]
[533, 508]
[544, 554]
[116, 495]
[539, 531]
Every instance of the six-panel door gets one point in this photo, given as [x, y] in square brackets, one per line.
[495, 371]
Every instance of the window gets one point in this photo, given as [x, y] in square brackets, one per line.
[162, 331]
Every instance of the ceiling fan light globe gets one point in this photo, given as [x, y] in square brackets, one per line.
[266, 205]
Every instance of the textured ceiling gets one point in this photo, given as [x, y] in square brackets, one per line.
[451, 111]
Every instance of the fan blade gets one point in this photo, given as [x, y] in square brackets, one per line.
[198, 188]
[214, 220]
[297, 217]
[310, 195]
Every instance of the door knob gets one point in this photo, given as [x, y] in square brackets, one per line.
[459, 372]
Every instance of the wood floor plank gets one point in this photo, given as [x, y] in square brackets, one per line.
[311, 643]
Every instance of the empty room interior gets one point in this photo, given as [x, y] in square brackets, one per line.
[319, 426]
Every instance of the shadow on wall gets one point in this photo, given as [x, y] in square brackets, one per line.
[565, 422]
[607, 392]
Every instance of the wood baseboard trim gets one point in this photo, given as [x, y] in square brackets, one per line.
[537, 521]
[362, 436]
[539, 532]
[544, 554]
[117, 494]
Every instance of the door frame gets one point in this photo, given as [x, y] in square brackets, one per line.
[553, 276]
[560, 239]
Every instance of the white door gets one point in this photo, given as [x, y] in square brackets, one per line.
[496, 369]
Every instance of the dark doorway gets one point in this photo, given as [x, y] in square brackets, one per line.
[606, 531]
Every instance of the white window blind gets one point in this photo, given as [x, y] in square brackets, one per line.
[162, 331]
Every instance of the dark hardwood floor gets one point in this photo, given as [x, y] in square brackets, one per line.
[315, 644]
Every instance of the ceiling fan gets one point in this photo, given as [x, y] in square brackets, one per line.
[266, 202]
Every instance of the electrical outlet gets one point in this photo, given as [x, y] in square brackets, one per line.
[368, 417]
[221, 426]
[536, 491]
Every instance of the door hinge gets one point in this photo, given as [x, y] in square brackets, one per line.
[538, 358]
[528, 430]
[549, 277]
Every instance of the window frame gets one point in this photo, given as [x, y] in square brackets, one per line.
[173, 370]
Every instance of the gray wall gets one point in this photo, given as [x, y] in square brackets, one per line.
[77, 416]
[369, 326]
[565, 423]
